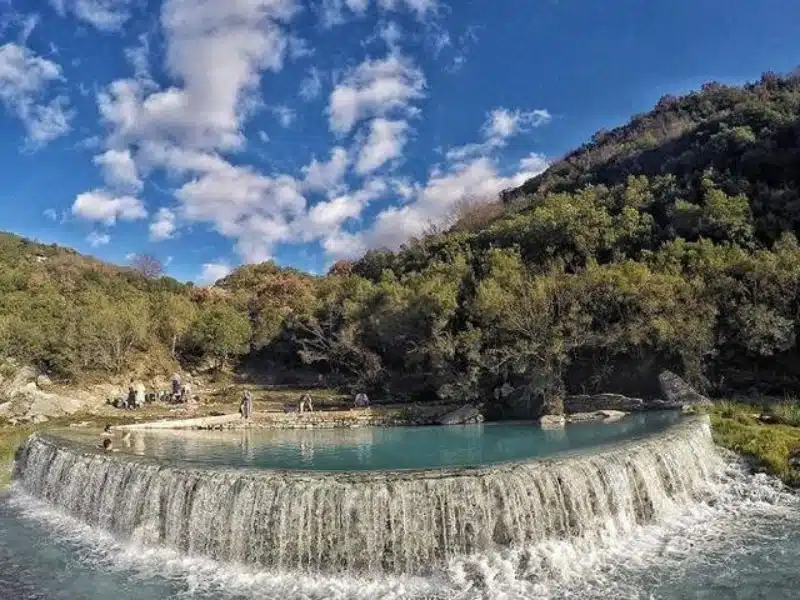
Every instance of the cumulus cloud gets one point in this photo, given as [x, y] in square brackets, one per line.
[217, 51]
[503, 123]
[163, 226]
[327, 176]
[101, 206]
[119, 169]
[375, 88]
[213, 272]
[325, 218]
[476, 180]
[192, 127]
[385, 142]
[24, 81]
[500, 125]
[311, 85]
[97, 239]
[105, 15]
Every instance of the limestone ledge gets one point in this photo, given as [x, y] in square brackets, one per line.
[380, 417]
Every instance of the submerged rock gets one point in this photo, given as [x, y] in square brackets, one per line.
[469, 413]
[552, 421]
[677, 391]
[603, 416]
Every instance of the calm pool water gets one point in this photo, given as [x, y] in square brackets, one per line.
[381, 448]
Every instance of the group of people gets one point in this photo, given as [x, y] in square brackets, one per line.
[137, 396]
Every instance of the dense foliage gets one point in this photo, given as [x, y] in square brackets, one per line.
[75, 317]
[667, 243]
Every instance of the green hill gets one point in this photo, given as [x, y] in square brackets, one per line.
[668, 242]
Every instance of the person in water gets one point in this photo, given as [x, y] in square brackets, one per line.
[107, 445]
[246, 407]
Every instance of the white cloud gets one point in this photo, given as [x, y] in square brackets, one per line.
[500, 124]
[213, 272]
[476, 180]
[374, 89]
[96, 239]
[51, 214]
[105, 15]
[99, 205]
[139, 58]
[284, 114]
[335, 12]
[342, 245]
[217, 51]
[28, 24]
[311, 85]
[325, 218]
[385, 142]
[240, 203]
[24, 79]
[163, 226]
[503, 123]
[421, 8]
[119, 169]
[327, 176]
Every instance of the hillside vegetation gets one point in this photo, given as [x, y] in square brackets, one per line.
[78, 318]
[669, 242]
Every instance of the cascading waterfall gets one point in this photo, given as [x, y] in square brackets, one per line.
[402, 522]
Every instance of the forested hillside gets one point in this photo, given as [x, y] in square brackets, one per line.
[669, 242]
[76, 317]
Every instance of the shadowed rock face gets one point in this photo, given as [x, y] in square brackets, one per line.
[678, 392]
[380, 521]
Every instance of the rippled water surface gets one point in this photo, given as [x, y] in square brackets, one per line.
[742, 542]
[381, 448]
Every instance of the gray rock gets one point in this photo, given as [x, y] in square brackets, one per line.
[43, 381]
[677, 391]
[610, 416]
[37, 419]
[584, 403]
[552, 421]
[459, 416]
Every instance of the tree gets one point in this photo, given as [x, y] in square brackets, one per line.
[221, 332]
[149, 266]
[173, 314]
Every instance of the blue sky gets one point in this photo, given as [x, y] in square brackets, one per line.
[211, 133]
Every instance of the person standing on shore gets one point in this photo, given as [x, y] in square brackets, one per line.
[246, 407]
[176, 386]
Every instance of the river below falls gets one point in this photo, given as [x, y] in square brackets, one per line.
[742, 543]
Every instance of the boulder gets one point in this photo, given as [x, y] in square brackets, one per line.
[609, 416]
[794, 460]
[468, 413]
[43, 381]
[38, 419]
[552, 421]
[678, 392]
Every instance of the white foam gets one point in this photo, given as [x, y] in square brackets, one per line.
[602, 565]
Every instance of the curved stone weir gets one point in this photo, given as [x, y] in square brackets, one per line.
[372, 521]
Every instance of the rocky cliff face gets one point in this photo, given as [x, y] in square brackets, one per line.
[26, 395]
